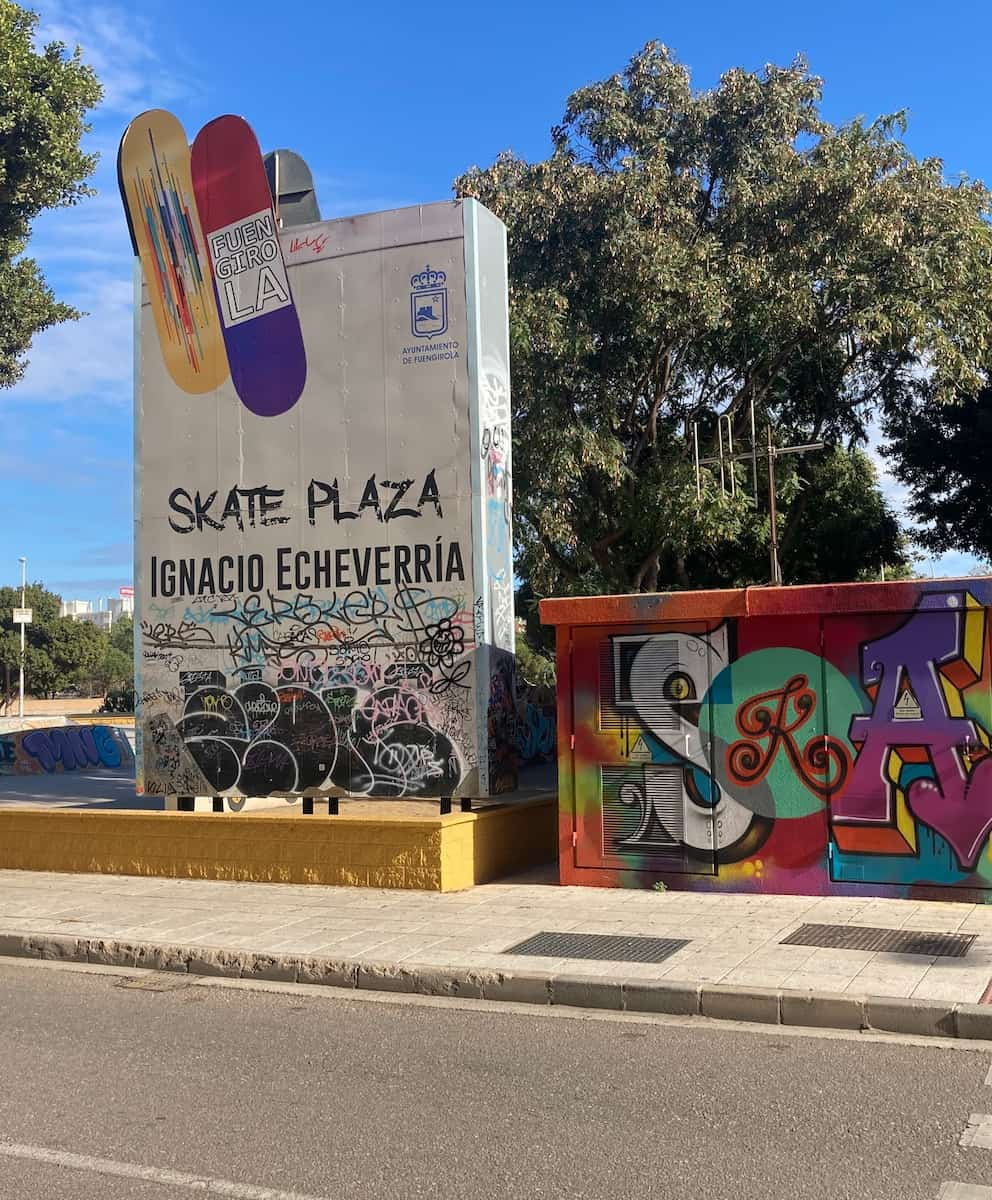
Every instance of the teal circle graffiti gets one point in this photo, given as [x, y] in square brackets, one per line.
[762, 711]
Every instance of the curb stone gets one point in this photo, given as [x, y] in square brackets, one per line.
[826, 1010]
[810, 1009]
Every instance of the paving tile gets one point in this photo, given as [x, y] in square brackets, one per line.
[645, 971]
[745, 976]
[825, 960]
[877, 979]
[710, 971]
[522, 962]
[885, 958]
[811, 980]
[966, 986]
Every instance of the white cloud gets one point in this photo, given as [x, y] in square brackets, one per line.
[88, 358]
[93, 232]
[117, 42]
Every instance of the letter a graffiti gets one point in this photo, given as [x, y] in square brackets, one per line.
[935, 763]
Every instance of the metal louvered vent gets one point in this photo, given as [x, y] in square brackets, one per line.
[643, 809]
[601, 946]
[893, 941]
[619, 700]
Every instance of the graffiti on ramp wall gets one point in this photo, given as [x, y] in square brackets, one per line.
[65, 748]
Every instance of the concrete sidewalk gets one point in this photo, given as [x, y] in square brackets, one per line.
[733, 966]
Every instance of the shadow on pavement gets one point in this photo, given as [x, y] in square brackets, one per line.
[96, 788]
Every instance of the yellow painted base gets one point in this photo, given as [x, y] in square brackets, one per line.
[439, 854]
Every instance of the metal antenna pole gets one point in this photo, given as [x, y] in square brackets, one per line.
[20, 699]
[773, 514]
[727, 456]
[730, 451]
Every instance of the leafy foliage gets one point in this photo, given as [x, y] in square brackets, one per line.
[122, 636]
[44, 99]
[59, 651]
[941, 453]
[113, 670]
[683, 254]
[534, 668]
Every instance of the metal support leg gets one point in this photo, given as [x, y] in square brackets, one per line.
[186, 803]
[308, 806]
[218, 803]
[445, 803]
[332, 806]
[466, 803]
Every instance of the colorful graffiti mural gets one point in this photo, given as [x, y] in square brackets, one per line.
[809, 740]
[65, 748]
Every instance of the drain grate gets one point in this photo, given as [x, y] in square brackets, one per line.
[894, 941]
[604, 946]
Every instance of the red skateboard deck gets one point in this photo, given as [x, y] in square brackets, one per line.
[260, 325]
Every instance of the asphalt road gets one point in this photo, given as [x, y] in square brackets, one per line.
[269, 1093]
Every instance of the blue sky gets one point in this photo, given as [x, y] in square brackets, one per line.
[388, 103]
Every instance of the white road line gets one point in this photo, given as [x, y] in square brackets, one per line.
[964, 1191]
[988, 1078]
[108, 1166]
[979, 1131]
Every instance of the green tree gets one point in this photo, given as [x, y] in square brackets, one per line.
[683, 254]
[122, 635]
[40, 673]
[75, 648]
[839, 528]
[59, 651]
[114, 670]
[44, 98]
[940, 452]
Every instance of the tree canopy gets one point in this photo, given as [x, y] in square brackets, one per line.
[59, 651]
[682, 254]
[44, 99]
[940, 453]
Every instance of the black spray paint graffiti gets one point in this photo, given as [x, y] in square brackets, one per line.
[363, 691]
[415, 626]
[259, 740]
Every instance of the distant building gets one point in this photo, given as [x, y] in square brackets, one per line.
[74, 608]
[121, 606]
[104, 616]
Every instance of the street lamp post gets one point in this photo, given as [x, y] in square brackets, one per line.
[24, 579]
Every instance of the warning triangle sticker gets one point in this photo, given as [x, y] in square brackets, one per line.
[640, 752]
[907, 707]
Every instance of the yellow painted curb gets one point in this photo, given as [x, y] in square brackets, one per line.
[437, 854]
[100, 718]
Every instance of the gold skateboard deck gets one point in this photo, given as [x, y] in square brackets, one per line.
[153, 170]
